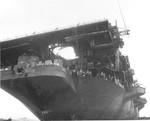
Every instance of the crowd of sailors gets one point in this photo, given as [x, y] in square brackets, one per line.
[103, 73]
[122, 78]
[27, 63]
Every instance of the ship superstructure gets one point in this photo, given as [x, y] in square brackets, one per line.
[98, 84]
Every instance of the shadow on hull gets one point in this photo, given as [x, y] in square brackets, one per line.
[56, 97]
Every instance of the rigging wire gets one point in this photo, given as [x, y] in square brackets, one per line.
[126, 30]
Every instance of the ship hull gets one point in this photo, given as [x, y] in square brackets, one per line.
[52, 94]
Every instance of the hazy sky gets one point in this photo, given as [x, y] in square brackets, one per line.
[21, 17]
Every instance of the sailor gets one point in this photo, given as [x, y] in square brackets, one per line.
[94, 72]
[88, 73]
[79, 73]
[74, 73]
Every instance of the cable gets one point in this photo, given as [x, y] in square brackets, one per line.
[122, 16]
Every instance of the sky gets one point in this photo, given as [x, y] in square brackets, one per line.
[23, 17]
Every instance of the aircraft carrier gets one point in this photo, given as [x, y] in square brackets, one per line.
[97, 84]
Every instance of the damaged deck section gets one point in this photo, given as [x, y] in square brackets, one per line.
[97, 84]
